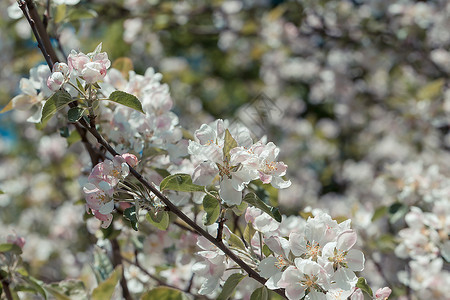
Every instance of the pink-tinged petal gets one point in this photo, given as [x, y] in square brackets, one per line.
[107, 208]
[26, 86]
[22, 102]
[77, 61]
[265, 178]
[15, 239]
[345, 278]
[383, 293]
[297, 243]
[272, 282]
[357, 295]
[251, 213]
[37, 116]
[228, 193]
[346, 240]
[291, 276]
[242, 177]
[280, 183]
[295, 292]
[106, 219]
[131, 159]
[55, 81]
[205, 173]
[267, 267]
[355, 260]
[206, 135]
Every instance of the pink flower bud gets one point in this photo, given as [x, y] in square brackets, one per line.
[55, 81]
[61, 67]
[130, 159]
[383, 293]
[15, 239]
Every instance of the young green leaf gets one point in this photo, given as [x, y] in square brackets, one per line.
[212, 208]
[10, 248]
[230, 286]
[229, 143]
[127, 100]
[235, 241]
[362, 284]
[181, 183]
[260, 294]
[249, 232]
[106, 288]
[160, 219]
[56, 102]
[80, 86]
[164, 293]
[254, 200]
[75, 113]
[130, 214]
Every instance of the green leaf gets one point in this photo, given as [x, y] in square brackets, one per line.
[164, 293]
[230, 286]
[260, 294]
[80, 86]
[181, 183]
[266, 251]
[126, 99]
[64, 132]
[75, 113]
[107, 287]
[102, 265]
[67, 290]
[229, 143]
[379, 213]
[10, 248]
[160, 219]
[60, 13]
[36, 285]
[249, 232]
[254, 200]
[212, 208]
[235, 241]
[162, 172]
[73, 137]
[362, 284]
[130, 214]
[240, 209]
[431, 90]
[56, 102]
[397, 211]
[80, 13]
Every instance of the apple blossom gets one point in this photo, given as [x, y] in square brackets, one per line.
[91, 67]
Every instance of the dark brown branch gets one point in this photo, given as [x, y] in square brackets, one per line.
[5, 286]
[117, 260]
[41, 31]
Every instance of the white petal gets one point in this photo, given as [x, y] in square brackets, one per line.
[228, 193]
[107, 208]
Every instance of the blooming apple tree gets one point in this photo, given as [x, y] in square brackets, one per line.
[190, 207]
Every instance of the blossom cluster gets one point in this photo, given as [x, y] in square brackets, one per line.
[231, 154]
[102, 181]
[89, 67]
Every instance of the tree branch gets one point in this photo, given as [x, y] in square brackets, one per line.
[5, 286]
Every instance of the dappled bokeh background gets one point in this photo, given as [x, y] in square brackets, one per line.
[355, 93]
